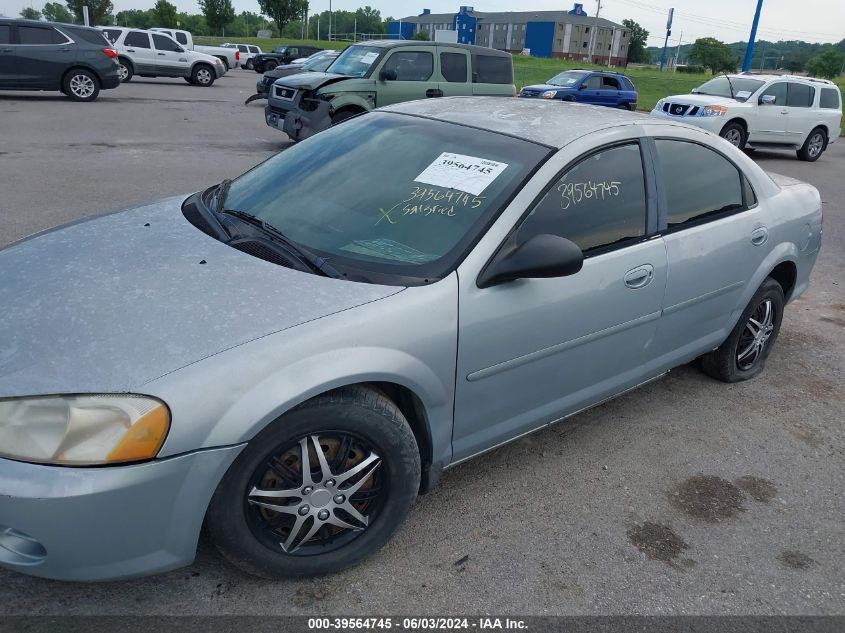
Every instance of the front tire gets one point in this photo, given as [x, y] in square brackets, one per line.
[743, 354]
[318, 490]
[814, 146]
[202, 75]
[734, 134]
[269, 65]
[81, 85]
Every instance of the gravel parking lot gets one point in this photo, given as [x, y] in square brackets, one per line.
[687, 496]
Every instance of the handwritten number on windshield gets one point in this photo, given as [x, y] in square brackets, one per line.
[574, 193]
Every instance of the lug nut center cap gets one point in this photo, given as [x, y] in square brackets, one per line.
[320, 498]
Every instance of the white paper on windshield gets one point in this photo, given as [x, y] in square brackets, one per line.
[461, 172]
[369, 58]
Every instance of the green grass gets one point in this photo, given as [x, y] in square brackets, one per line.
[651, 84]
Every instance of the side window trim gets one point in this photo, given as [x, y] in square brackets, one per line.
[663, 205]
[651, 207]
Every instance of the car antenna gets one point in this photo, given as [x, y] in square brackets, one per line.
[729, 83]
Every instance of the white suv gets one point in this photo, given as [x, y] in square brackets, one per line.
[763, 111]
[247, 51]
[150, 54]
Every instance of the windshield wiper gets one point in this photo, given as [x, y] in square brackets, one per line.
[730, 84]
[315, 262]
[219, 194]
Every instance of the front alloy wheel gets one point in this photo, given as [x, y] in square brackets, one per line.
[319, 489]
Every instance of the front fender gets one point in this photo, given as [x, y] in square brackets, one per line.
[357, 100]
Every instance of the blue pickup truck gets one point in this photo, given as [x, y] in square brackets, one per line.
[587, 86]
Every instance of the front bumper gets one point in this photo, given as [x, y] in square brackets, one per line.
[106, 523]
[296, 123]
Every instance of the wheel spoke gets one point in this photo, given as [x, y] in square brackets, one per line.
[305, 459]
[321, 457]
[748, 350]
[297, 526]
[342, 453]
[767, 314]
[353, 512]
[285, 472]
[275, 494]
[343, 524]
[275, 507]
[365, 495]
[354, 487]
[754, 326]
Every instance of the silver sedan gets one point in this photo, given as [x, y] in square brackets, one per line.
[294, 355]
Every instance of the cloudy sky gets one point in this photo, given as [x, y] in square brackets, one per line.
[728, 20]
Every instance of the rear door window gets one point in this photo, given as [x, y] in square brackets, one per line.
[34, 36]
[137, 39]
[98, 38]
[829, 98]
[254, 50]
[453, 67]
[182, 38]
[799, 95]
[610, 83]
[242, 48]
[491, 69]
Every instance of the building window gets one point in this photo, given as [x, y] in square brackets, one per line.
[584, 45]
[586, 29]
[559, 43]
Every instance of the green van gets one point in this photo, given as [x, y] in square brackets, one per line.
[379, 73]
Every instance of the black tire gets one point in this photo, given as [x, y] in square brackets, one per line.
[81, 85]
[724, 362]
[190, 80]
[202, 75]
[259, 68]
[225, 63]
[813, 146]
[240, 528]
[337, 117]
[734, 134]
[269, 65]
[125, 70]
[248, 65]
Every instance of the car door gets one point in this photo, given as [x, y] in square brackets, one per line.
[716, 240]
[8, 67]
[610, 91]
[171, 60]
[414, 68]
[42, 56]
[802, 116]
[455, 80]
[142, 54]
[590, 90]
[770, 120]
[533, 350]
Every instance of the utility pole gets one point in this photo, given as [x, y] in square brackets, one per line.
[330, 20]
[749, 50]
[593, 35]
[666, 41]
[678, 52]
[610, 48]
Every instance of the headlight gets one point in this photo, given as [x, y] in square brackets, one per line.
[549, 94]
[713, 110]
[82, 430]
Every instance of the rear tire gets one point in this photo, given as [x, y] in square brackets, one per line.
[269, 65]
[189, 80]
[202, 75]
[743, 354]
[81, 85]
[248, 64]
[734, 134]
[125, 70]
[285, 542]
[813, 147]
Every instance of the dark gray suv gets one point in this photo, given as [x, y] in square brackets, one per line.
[77, 60]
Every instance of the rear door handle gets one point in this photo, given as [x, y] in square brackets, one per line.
[639, 277]
[162, 54]
[760, 236]
[130, 50]
[434, 92]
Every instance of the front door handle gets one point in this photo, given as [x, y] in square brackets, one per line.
[760, 236]
[434, 92]
[162, 54]
[64, 50]
[130, 50]
[639, 277]
[6, 50]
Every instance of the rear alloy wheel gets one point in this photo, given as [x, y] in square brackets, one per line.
[124, 70]
[814, 146]
[81, 85]
[202, 76]
[734, 134]
[744, 352]
[320, 489]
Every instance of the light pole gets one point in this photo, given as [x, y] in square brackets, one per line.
[749, 50]
[330, 20]
[666, 41]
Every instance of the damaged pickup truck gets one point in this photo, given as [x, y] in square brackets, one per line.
[384, 72]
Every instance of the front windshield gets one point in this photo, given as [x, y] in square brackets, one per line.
[318, 63]
[567, 79]
[721, 87]
[387, 193]
[280, 49]
[356, 61]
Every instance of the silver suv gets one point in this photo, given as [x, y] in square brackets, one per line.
[150, 54]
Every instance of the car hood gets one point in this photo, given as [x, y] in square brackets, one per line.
[108, 304]
[283, 71]
[544, 87]
[309, 80]
[701, 100]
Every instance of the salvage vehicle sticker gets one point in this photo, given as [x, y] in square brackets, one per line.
[369, 58]
[465, 173]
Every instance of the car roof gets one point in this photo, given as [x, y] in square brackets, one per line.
[46, 23]
[784, 77]
[551, 123]
[484, 50]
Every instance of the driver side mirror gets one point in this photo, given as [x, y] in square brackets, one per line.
[767, 100]
[179, 49]
[540, 257]
[388, 74]
[582, 86]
